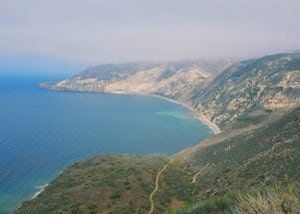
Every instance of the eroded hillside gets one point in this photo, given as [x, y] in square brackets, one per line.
[168, 79]
[250, 89]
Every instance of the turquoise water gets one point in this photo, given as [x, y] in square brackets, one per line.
[42, 132]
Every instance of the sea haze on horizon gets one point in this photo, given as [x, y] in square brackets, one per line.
[42, 132]
[39, 67]
[119, 31]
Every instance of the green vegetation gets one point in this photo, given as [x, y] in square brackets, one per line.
[218, 204]
[115, 195]
[91, 206]
[268, 202]
[268, 111]
[281, 199]
[114, 183]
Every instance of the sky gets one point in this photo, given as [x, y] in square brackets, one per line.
[105, 31]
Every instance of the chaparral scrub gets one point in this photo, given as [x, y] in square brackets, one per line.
[282, 199]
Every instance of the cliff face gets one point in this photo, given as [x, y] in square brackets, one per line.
[256, 102]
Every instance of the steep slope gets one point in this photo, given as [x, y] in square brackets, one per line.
[250, 89]
[249, 158]
[160, 80]
[167, 79]
[95, 79]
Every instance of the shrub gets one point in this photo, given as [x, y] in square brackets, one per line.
[270, 202]
[115, 195]
[218, 204]
[269, 111]
[144, 185]
[91, 206]
[280, 199]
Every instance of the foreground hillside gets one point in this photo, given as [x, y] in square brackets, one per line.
[113, 183]
[257, 105]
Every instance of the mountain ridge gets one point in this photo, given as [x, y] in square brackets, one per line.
[156, 79]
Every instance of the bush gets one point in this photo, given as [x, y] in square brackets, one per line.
[115, 195]
[270, 202]
[268, 111]
[218, 204]
[91, 206]
[280, 199]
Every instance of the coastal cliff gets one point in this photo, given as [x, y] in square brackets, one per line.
[255, 102]
[165, 79]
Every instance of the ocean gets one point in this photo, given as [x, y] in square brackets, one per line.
[42, 132]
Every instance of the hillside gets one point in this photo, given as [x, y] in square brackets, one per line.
[250, 88]
[166, 79]
[257, 105]
[113, 184]
[247, 159]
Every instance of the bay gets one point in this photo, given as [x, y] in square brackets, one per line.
[42, 132]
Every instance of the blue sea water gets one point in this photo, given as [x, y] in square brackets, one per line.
[42, 132]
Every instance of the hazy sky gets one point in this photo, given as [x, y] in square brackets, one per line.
[97, 31]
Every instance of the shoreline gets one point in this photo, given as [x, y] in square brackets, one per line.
[42, 188]
[213, 127]
[198, 115]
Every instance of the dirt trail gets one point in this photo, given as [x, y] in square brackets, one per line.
[157, 186]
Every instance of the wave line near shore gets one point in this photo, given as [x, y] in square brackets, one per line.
[198, 115]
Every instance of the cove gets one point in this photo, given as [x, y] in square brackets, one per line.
[42, 132]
